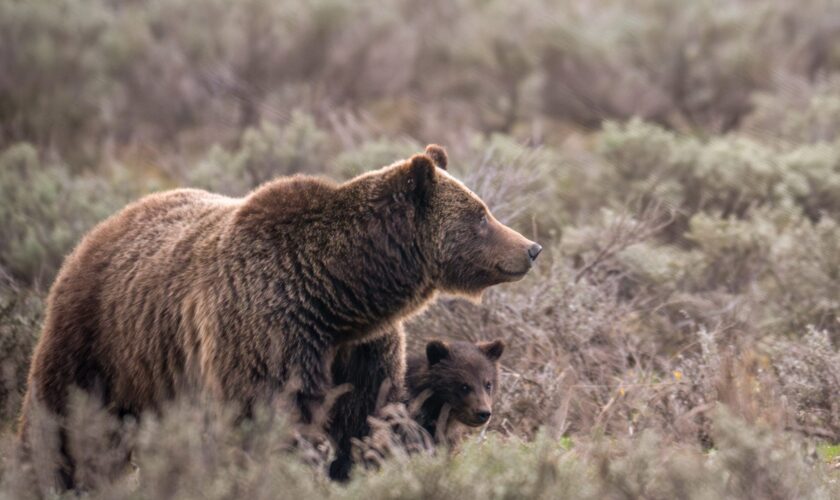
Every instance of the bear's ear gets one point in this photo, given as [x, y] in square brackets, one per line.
[413, 180]
[493, 349]
[436, 350]
[438, 155]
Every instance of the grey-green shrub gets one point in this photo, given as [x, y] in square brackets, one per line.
[797, 111]
[804, 285]
[264, 153]
[812, 178]
[20, 323]
[727, 175]
[688, 66]
[195, 450]
[373, 154]
[522, 184]
[806, 368]
[54, 75]
[45, 209]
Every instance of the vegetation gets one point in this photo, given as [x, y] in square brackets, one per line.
[680, 163]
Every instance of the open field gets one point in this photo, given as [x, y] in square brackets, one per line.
[678, 161]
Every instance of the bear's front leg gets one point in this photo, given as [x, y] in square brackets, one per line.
[311, 377]
[366, 366]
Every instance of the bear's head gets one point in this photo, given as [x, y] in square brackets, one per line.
[470, 250]
[464, 376]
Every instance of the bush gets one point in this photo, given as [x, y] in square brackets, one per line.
[20, 321]
[735, 252]
[373, 154]
[194, 450]
[804, 278]
[728, 175]
[180, 75]
[264, 153]
[45, 210]
[521, 184]
[813, 178]
[685, 66]
[53, 73]
[646, 160]
[807, 377]
[797, 111]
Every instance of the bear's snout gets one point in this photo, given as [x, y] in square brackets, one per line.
[482, 416]
[520, 252]
[534, 251]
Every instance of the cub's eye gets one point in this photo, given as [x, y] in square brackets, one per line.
[465, 389]
[488, 385]
[483, 221]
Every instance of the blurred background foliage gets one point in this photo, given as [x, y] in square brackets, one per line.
[680, 161]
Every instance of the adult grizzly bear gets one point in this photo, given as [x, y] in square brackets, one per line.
[236, 296]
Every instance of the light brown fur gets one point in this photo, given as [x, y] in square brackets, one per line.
[235, 296]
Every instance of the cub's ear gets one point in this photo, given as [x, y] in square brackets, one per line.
[436, 350]
[493, 349]
[438, 155]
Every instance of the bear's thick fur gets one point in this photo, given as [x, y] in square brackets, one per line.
[187, 290]
[459, 378]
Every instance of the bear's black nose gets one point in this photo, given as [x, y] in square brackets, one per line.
[534, 251]
[482, 416]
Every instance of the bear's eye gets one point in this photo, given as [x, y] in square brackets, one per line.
[488, 385]
[465, 389]
[483, 221]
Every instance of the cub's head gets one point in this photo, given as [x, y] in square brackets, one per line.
[468, 248]
[464, 375]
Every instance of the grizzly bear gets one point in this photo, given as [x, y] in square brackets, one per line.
[458, 377]
[236, 297]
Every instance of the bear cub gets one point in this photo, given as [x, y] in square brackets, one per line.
[455, 377]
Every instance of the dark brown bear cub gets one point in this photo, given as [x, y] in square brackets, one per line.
[458, 377]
